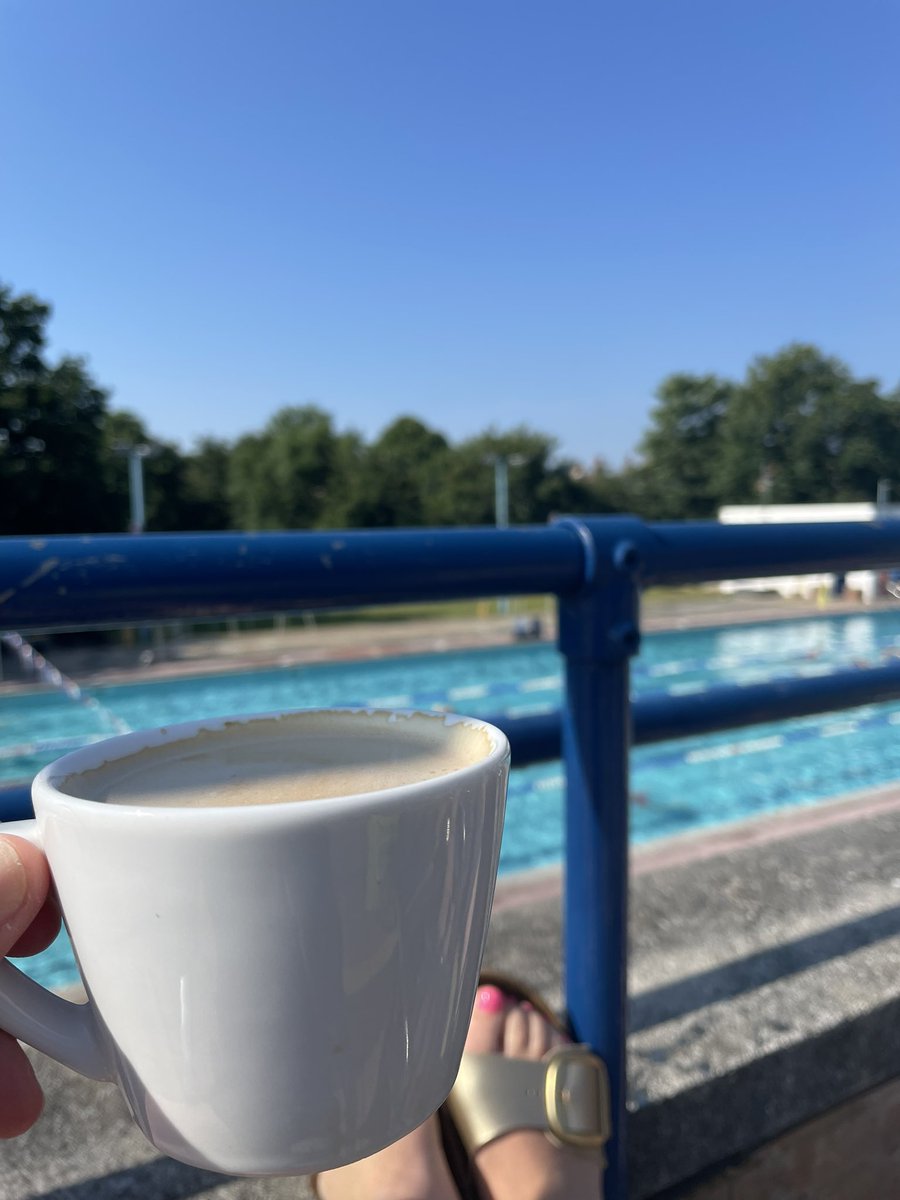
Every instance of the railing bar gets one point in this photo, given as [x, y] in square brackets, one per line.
[538, 738]
[77, 582]
[699, 552]
[72, 582]
[659, 719]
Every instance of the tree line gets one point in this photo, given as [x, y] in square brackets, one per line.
[798, 428]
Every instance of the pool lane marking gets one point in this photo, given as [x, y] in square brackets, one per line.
[733, 749]
[474, 691]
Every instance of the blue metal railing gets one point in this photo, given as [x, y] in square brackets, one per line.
[595, 566]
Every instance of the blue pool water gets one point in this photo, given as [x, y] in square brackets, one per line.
[676, 786]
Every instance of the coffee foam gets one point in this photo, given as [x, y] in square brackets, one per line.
[304, 756]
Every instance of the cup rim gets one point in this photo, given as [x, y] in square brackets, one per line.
[45, 787]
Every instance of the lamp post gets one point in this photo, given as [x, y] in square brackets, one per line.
[136, 455]
[502, 463]
[501, 492]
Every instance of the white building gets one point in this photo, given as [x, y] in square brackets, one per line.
[807, 586]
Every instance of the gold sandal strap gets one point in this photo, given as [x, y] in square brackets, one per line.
[566, 1095]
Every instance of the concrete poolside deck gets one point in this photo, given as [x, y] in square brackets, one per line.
[765, 988]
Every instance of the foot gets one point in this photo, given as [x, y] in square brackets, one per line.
[524, 1164]
[412, 1169]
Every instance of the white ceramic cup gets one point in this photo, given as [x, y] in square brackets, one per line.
[275, 989]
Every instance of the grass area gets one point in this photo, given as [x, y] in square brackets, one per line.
[516, 606]
[677, 595]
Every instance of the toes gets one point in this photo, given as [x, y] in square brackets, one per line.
[540, 1034]
[486, 1029]
[516, 1032]
[503, 1025]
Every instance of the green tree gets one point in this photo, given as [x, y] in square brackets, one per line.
[677, 476]
[51, 431]
[801, 430]
[395, 482]
[252, 495]
[205, 481]
[292, 475]
[606, 489]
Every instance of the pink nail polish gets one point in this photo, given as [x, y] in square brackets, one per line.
[527, 1006]
[490, 1000]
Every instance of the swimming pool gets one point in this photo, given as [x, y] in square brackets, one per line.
[676, 786]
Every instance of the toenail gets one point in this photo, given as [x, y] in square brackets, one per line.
[527, 1006]
[490, 1000]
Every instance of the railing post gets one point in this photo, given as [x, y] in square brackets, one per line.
[598, 633]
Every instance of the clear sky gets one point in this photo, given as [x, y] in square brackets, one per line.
[474, 211]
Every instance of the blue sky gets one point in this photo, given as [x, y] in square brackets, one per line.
[478, 213]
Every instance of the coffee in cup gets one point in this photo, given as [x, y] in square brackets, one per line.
[315, 756]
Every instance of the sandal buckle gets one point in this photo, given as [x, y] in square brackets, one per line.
[576, 1097]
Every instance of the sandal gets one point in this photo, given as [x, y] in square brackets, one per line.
[565, 1095]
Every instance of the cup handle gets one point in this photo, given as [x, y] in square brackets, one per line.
[68, 1032]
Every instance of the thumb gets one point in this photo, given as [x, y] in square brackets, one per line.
[24, 880]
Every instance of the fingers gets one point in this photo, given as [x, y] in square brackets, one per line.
[21, 1099]
[24, 883]
[42, 930]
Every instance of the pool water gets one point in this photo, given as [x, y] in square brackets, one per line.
[676, 786]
